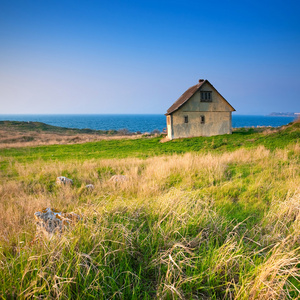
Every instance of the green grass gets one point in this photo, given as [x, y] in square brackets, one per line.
[199, 218]
[148, 147]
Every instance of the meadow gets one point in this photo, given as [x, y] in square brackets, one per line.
[199, 218]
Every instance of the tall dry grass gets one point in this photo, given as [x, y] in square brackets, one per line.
[31, 186]
[209, 226]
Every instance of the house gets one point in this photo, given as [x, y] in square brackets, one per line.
[199, 111]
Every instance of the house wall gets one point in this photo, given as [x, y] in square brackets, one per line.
[215, 123]
[217, 116]
[169, 126]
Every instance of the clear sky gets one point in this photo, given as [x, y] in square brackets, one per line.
[123, 57]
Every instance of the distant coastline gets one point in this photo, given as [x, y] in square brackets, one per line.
[136, 123]
[284, 114]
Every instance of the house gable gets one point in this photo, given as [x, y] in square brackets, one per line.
[190, 100]
[194, 104]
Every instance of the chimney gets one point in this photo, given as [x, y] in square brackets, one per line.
[201, 80]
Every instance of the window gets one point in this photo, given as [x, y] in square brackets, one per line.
[186, 119]
[202, 118]
[205, 97]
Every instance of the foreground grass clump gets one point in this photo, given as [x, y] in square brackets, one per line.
[199, 225]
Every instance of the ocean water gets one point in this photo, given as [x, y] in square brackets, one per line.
[134, 123]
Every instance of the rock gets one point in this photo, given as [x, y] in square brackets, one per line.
[64, 180]
[89, 187]
[118, 178]
[50, 221]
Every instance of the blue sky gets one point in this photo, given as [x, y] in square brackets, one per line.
[140, 56]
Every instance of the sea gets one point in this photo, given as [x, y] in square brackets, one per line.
[136, 123]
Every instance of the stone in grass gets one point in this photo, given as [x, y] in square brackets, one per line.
[118, 178]
[50, 221]
[62, 180]
[89, 187]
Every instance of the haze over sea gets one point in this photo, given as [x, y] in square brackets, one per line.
[134, 123]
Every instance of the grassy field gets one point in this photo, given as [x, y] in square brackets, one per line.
[199, 218]
[149, 147]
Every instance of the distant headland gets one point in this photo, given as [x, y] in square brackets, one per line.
[284, 114]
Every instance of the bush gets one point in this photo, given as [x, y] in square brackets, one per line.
[155, 131]
[123, 131]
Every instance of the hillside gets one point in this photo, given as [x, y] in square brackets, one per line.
[20, 134]
[42, 127]
[199, 218]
